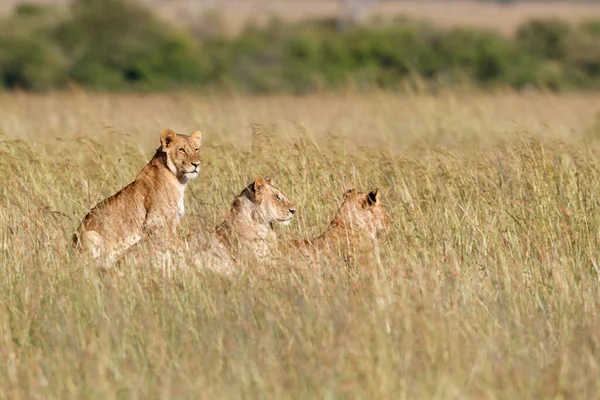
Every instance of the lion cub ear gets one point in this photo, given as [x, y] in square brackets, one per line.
[373, 196]
[259, 185]
[349, 192]
[167, 136]
[196, 137]
[270, 180]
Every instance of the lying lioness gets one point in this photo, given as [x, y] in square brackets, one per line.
[247, 232]
[358, 221]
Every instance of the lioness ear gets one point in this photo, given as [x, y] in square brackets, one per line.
[349, 192]
[196, 137]
[270, 181]
[259, 185]
[373, 197]
[167, 136]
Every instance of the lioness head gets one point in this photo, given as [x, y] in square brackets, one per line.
[268, 203]
[364, 212]
[181, 153]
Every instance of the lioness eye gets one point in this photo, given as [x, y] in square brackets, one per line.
[196, 150]
[182, 151]
[279, 197]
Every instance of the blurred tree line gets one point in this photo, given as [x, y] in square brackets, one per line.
[120, 45]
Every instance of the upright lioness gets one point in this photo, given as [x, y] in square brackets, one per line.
[150, 206]
[247, 232]
[355, 226]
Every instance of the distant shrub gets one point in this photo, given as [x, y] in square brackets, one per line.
[567, 56]
[546, 38]
[550, 75]
[116, 43]
[30, 64]
[591, 27]
[121, 45]
[30, 9]
[583, 53]
[485, 56]
[29, 58]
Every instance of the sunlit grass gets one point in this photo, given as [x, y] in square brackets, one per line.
[487, 286]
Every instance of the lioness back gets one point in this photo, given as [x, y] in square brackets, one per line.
[358, 221]
[150, 206]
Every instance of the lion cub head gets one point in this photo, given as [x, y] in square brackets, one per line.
[267, 203]
[180, 153]
[363, 212]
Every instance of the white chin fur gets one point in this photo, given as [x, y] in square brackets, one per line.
[171, 166]
[190, 175]
[286, 222]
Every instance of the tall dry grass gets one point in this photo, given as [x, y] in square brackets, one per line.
[487, 285]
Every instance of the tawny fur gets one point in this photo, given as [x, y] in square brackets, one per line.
[358, 222]
[247, 232]
[148, 208]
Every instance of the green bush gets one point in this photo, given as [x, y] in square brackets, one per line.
[550, 75]
[29, 59]
[116, 43]
[545, 38]
[121, 45]
[584, 53]
[30, 64]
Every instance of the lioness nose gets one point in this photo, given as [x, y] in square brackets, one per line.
[196, 163]
[293, 210]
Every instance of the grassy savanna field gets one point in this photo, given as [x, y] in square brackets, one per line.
[487, 286]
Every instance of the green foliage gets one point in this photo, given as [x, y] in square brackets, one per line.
[546, 38]
[29, 58]
[114, 43]
[121, 45]
[28, 63]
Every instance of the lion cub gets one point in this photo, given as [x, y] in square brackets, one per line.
[149, 207]
[355, 226]
[247, 232]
